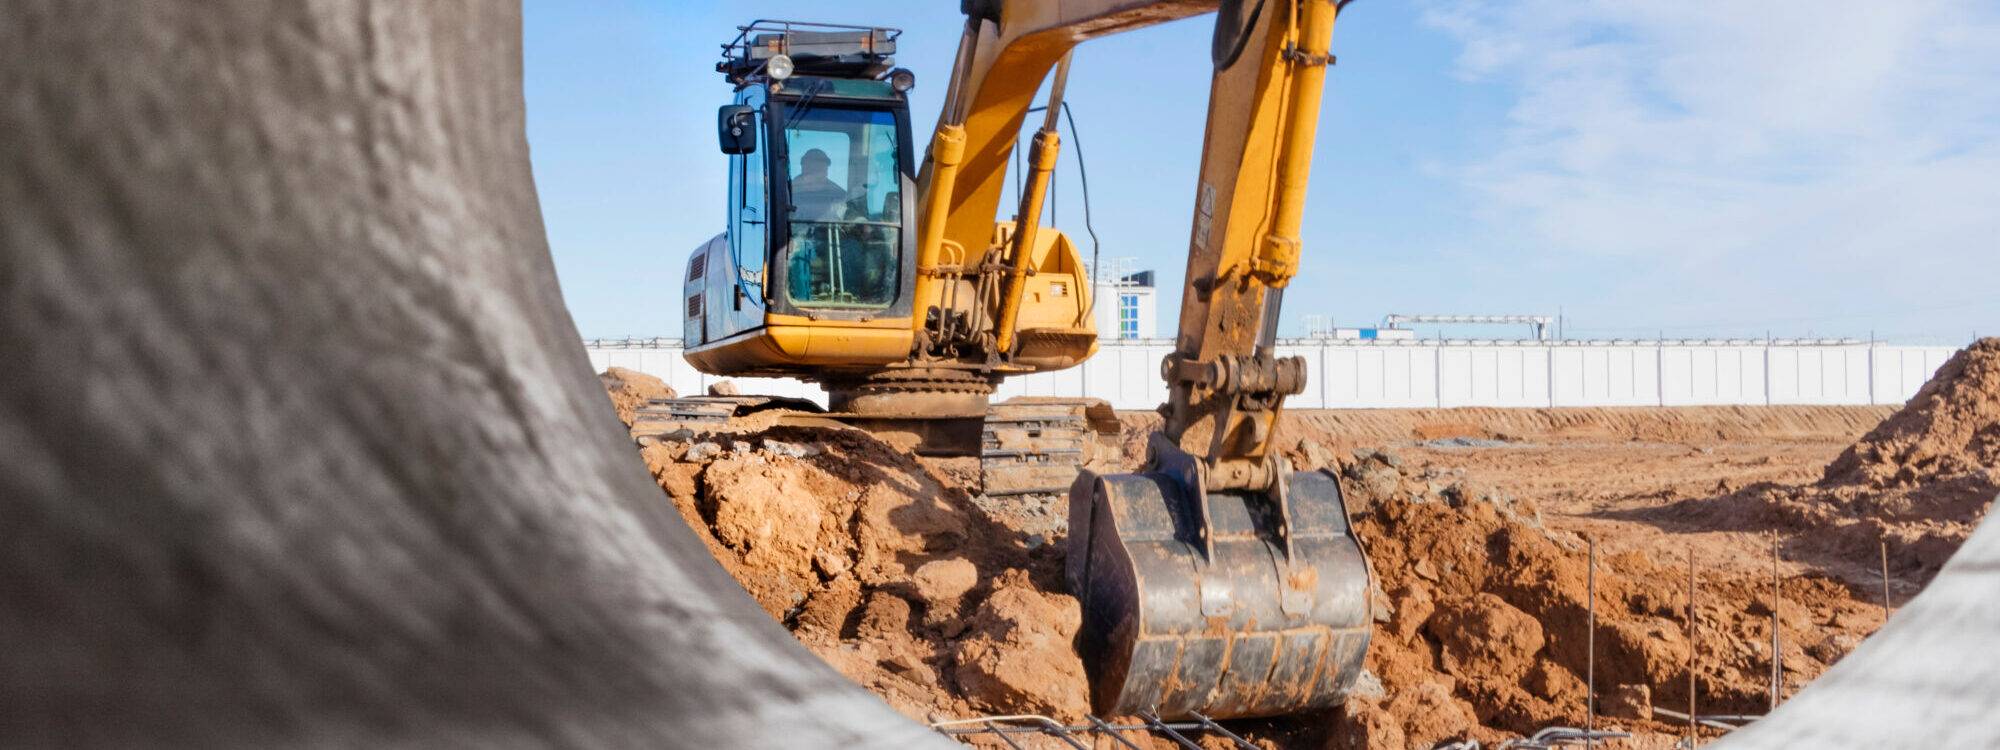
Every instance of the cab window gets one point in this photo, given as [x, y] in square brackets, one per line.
[846, 208]
[747, 247]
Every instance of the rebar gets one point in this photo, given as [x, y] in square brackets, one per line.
[1004, 726]
[1210, 725]
[1004, 738]
[1590, 652]
[1036, 724]
[1777, 642]
[1694, 650]
[1715, 721]
[1885, 582]
[1545, 739]
[1110, 731]
[1167, 731]
[1552, 737]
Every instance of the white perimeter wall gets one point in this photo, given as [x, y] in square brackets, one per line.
[1361, 374]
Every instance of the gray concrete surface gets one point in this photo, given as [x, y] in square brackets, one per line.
[1930, 678]
[298, 445]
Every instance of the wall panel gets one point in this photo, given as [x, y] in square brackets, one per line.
[1416, 374]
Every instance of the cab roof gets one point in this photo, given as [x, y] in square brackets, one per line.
[820, 50]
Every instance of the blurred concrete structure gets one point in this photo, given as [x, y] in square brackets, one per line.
[298, 446]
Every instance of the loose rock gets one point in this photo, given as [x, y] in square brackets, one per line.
[1019, 653]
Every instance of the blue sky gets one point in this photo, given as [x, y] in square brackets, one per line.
[1652, 166]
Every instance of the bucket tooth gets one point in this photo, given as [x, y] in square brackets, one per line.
[1246, 630]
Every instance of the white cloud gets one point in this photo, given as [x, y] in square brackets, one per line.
[1773, 132]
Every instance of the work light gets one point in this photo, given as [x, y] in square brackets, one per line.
[779, 67]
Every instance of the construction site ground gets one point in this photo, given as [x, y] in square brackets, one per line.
[1478, 525]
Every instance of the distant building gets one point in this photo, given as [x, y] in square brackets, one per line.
[1322, 327]
[1368, 334]
[1126, 306]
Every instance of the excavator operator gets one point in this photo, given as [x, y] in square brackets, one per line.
[843, 255]
[815, 197]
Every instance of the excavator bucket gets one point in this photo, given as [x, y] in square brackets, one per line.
[1192, 604]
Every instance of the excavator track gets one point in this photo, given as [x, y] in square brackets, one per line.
[1026, 445]
[1037, 445]
[671, 417]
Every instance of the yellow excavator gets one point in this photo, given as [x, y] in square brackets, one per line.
[1217, 581]
[908, 325]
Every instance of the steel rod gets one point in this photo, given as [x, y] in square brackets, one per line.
[1003, 736]
[1777, 642]
[1590, 658]
[1036, 724]
[1712, 722]
[1210, 725]
[1162, 728]
[1110, 731]
[1694, 738]
[1886, 611]
[979, 728]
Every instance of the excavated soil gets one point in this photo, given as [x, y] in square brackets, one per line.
[891, 575]
[1476, 522]
[1921, 480]
[1910, 490]
[1483, 623]
[631, 389]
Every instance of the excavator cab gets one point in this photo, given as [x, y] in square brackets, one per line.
[816, 274]
[821, 191]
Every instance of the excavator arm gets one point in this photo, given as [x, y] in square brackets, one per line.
[1217, 581]
[1270, 59]
[1243, 248]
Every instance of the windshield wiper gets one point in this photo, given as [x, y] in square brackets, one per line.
[805, 105]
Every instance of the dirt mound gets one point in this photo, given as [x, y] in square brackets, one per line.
[631, 389]
[1483, 617]
[889, 574]
[1920, 481]
[1951, 427]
